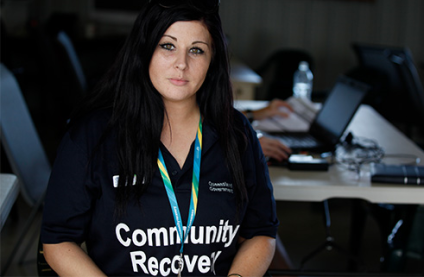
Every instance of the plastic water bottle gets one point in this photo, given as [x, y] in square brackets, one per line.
[302, 81]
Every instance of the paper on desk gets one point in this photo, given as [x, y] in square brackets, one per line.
[299, 120]
[304, 108]
[292, 123]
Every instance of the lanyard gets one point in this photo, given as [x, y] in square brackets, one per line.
[194, 188]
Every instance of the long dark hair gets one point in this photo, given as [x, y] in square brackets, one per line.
[127, 89]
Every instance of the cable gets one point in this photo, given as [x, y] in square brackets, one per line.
[353, 152]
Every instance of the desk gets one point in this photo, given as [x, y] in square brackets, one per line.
[9, 190]
[341, 183]
[244, 80]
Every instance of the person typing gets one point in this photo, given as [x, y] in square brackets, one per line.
[271, 147]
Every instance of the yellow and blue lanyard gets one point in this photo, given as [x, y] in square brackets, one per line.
[194, 188]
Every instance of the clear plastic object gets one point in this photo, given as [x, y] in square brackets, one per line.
[303, 81]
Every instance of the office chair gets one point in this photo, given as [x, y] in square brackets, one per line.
[329, 242]
[72, 85]
[60, 76]
[411, 81]
[278, 69]
[395, 81]
[24, 151]
[72, 63]
[397, 93]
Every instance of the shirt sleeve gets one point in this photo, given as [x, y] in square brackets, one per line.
[70, 194]
[261, 217]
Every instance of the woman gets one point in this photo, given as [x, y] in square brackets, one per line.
[158, 174]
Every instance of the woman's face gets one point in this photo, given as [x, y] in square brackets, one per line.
[181, 60]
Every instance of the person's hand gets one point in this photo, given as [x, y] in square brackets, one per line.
[275, 107]
[274, 148]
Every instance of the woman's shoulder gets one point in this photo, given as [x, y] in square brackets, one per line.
[92, 125]
[240, 118]
[243, 123]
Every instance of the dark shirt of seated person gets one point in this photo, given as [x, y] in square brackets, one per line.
[272, 148]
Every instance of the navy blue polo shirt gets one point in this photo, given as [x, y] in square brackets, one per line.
[80, 202]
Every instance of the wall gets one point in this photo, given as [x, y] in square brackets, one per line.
[325, 28]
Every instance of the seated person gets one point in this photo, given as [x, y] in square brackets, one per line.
[272, 148]
[164, 106]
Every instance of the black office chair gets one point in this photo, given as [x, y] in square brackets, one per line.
[278, 69]
[397, 92]
[412, 85]
[60, 81]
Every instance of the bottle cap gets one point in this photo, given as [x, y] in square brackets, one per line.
[303, 65]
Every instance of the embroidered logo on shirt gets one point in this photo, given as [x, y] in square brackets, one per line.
[221, 187]
[115, 179]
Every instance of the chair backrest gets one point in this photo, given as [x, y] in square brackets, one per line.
[72, 60]
[396, 78]
[412, 83]
[20, 139]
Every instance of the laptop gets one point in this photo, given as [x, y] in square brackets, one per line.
[331, 121]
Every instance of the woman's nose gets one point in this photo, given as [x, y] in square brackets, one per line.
[181, 61]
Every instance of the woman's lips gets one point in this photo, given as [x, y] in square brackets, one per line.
[178, 82]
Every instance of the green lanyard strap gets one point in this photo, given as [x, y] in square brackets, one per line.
[194, 188]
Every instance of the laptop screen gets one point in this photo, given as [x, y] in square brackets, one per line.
[338, 109]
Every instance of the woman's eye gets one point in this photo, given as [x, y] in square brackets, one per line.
[167, 46]
[196, 51]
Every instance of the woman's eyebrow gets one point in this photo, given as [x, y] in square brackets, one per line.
[199, 41]
[174, 38]
[194, 42]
